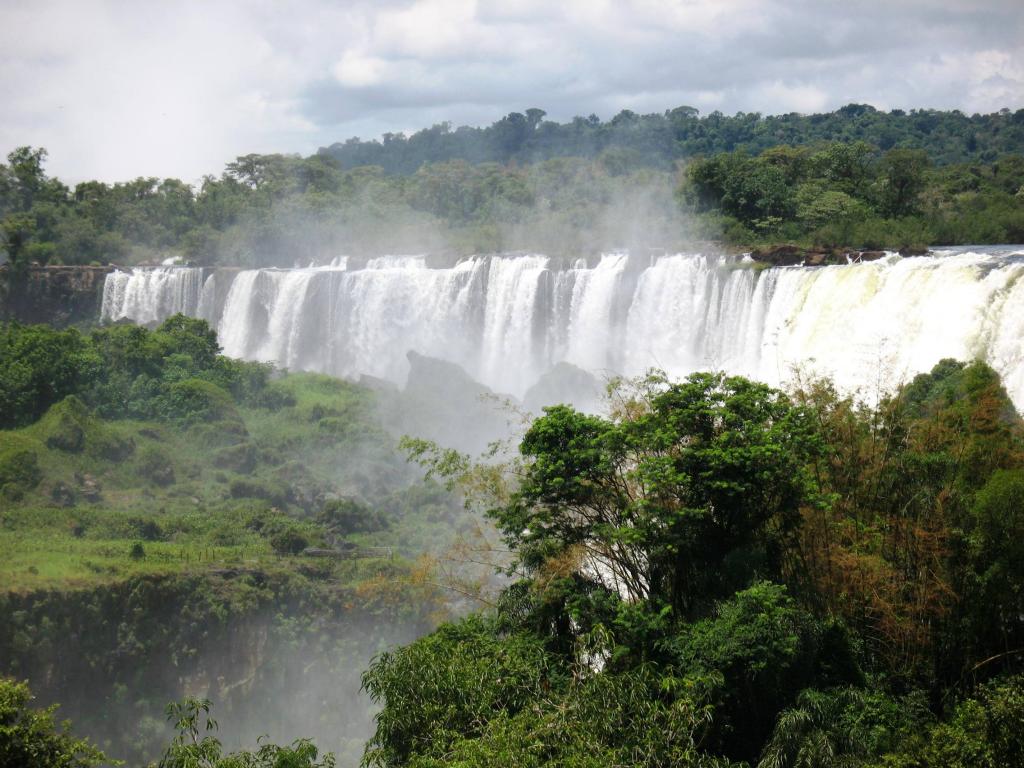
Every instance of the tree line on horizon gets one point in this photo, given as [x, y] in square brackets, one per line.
[856, 178]
[660, 139]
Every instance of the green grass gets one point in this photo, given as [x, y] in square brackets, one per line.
[209, 496]
[76, 548]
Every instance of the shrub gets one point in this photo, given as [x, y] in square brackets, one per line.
[155, 465]
[347, 516]
[19, 471]
[30, 737]
[274, 493]
[239, 458]
[113, 446]
[146, 529]
[65, 432]
[288, 542]
[194, 400]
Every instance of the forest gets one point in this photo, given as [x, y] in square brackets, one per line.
[658, 140]
[855, 178]
[716, 573]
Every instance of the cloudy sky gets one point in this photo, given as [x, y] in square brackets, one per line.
[121, 88]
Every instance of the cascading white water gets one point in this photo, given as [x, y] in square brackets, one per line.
[509, 319]
[151, 295]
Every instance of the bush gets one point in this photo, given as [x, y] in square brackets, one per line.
[146, 529]
[155, 465]
[219, 433]
[65, 431]
[113, 446]
[239, 458]
[38, 367]
[272, 397]
[30, 737]
[274, 493]
[194, 400]
[288, 542]
[346, 516]
[19, 471]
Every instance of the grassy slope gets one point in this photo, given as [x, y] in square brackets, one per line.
[326, 445]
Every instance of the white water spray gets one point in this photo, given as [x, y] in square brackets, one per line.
[508, 320]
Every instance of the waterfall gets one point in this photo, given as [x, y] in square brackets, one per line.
[152, 295]
[509, 319]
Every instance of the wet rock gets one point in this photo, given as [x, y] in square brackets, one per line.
[442, 402]
[377, 384]
[911, 250]
[817, 258]
[870, 255]
[565, 383]
[780, 255]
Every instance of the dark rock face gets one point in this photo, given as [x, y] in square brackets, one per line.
[794, 255]
[780, 255]
[59, 296]
[869, 255]
[912, 251]
[443, 403]
[565, 383]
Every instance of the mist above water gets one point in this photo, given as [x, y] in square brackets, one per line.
[508, 320]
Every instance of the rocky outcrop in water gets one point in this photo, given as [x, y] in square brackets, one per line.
[796, 256]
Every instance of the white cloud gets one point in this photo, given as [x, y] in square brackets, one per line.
[116, 89]
[782, 97]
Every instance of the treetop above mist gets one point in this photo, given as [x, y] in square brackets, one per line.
[659, 139]
[857, 178]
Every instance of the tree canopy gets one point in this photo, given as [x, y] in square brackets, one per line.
[757, 578]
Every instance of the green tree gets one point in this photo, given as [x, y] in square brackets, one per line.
[902, 180]
[16, 233]
[680, 499]
[446, 687]
[195, 746]
[843, 727]
[30, 737]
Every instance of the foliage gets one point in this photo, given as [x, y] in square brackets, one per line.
[804, 581]
[855, 195]
[196, 747]
[891, 178]
[30, 737]
[983, 731]
[677, 501]
[716, 571]
[658, 139]
[174, 372]
[444, 687]
[19, 472]
[843, 726]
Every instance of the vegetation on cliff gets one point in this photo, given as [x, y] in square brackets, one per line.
[156, 499]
